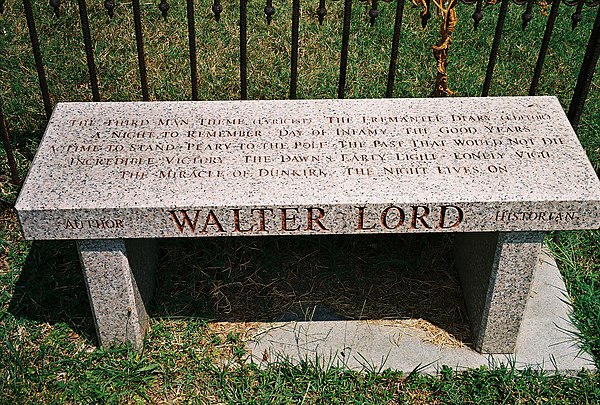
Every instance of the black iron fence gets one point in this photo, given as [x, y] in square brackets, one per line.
[583, 80]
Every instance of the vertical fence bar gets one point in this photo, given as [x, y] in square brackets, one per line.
[395, 44]
[577, 16]
[243, 50]
[427, 15]
[294, 61]
[89, 51]
[109, 6]
[321, 11]
[544, 48]
[477, 14]
[345, 41]
[526, 17]
[217, 9]
[373, 12]
[495, 48]
[586, 74]
[10, 157]
[269, 11]
[37, 56]
[139, 41]
[56, 6]
[164, 7]
[192, 44]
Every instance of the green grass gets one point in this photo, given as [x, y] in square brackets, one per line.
[47, 343]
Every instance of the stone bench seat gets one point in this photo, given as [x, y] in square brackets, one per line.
[497, 172]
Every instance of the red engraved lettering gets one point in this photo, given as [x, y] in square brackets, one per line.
[310, 218]
[186, 221]
[421, 217]
[285, 219]
[361, 220]
[261, 217]
[384, 217]
[236, 222]
[459, 216]
[212, 220]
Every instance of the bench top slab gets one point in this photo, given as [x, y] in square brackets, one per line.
[168, 169]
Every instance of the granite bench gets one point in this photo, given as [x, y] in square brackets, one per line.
[497, 172]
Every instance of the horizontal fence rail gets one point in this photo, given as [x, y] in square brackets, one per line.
[583, 81]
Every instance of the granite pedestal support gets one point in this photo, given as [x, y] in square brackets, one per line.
[120, 279]
[496, 270]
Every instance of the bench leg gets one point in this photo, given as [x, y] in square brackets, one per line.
[120, 279]
[496, 271]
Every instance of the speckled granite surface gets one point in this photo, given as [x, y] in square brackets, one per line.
[495, 271]
[181, 169]
[119, 276]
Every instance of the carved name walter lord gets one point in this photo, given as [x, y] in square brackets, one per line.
[189, 169]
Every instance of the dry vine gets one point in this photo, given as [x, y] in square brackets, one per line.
[447, 10]
[440, 51]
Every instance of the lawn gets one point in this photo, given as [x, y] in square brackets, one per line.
[47, 341]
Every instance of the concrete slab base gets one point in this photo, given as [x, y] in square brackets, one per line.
[545, 340]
